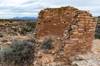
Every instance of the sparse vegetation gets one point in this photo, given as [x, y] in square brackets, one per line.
[97, 34]
[20, 53]
[29, 27]
[47, 44]
[16, 27]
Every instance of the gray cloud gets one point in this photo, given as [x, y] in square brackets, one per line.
[32, 7]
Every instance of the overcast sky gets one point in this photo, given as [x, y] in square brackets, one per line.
[21, 8]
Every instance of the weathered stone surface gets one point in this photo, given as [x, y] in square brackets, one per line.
[89, 59]
[70, 32]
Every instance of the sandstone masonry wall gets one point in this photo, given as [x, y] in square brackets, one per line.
[70, 31]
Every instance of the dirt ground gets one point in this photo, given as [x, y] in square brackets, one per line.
[96, 45]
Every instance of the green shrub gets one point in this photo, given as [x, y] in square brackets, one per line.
[97, 32]
[47, 44]
[29, 27]
[19, 53]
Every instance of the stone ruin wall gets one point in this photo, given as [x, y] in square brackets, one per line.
[70, 30]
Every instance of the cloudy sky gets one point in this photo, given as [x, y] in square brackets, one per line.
[22, 8]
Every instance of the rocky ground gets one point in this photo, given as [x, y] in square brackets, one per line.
[7, 35]
[89, 59]
[15, 30]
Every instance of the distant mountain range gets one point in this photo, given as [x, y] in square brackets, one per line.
[25, 18]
